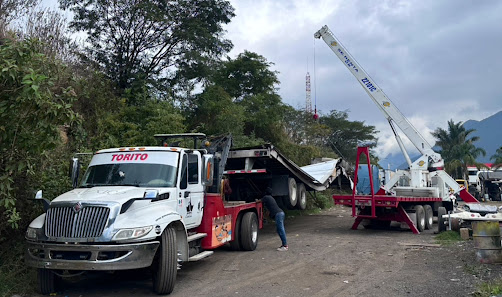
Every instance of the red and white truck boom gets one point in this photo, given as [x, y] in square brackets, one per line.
[425, 175]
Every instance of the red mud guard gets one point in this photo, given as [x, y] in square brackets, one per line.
[467, 197]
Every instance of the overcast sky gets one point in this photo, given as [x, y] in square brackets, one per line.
[436, 60]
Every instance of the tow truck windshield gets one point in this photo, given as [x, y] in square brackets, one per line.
[130, 174]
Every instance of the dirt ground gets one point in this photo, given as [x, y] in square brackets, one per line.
[326, 258]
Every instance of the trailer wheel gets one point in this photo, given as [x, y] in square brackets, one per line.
[292, 198]
[455, 224]
[165, 266]
[302, 197]
[420, 213]
[249, 231]
[235, 244]
[46, 281]
[428, 216]
[441, 222]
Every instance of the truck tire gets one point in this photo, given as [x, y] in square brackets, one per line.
[428, 216]
[235, 245]
[166, 266]
[301, 204]
[46, 281]
[420, 213]
[249, 231]
[292, 197]
[441, 222]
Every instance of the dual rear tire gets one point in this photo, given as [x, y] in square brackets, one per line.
[297, 195]
[246, 233]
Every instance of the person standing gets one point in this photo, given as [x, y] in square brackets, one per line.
[276, 213]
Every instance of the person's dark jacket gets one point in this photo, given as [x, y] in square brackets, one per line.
[271, 205]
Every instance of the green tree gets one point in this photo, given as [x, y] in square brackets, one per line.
[247, 75]
[34, 109]
[12, 9]
[251, 84]
[345, 136]
[457, 148]
[497, 158]
[216, 113]
[157, 42]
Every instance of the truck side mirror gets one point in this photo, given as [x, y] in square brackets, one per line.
[75, 170]
[207, 170]
[46, 203]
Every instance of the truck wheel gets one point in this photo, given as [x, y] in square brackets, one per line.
[166, 266]
[428, 216]
[249, 231]
[441, 222]
[235, 244]
[46, 281]
[292, 198]
[302, 197]
[420, 213]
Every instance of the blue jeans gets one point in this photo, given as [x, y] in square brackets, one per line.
[279, 224]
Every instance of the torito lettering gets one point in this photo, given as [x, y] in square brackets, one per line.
[129, 157]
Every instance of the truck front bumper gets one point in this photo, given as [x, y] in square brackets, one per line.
[90, 256]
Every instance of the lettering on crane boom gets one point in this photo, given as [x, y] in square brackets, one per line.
[348, 62]
[368, 84]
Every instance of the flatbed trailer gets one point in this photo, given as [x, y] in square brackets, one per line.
[252, 169]
[381, 209]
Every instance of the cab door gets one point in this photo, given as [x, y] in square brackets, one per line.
[191, 195]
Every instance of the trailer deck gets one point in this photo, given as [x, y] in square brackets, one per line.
[380, 207]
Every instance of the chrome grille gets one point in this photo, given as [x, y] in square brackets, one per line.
[90, 221]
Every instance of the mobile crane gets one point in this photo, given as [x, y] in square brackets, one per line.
[427, 189]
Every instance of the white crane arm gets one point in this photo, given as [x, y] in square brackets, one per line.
[390, 111]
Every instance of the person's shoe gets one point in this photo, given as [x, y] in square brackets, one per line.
[282, 249]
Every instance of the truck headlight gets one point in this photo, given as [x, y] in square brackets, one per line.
[31, 233]
[132, 233]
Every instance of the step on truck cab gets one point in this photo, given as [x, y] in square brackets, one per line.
[140, 207]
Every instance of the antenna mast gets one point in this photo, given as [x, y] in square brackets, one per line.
[308, 107]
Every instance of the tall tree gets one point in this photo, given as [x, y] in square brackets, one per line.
[497, 158]
[457, 148]
[12, 9]
[247, 75]
[346, 135]
[136, 41]
[251, 84]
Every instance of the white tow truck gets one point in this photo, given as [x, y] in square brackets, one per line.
[422, 190]
[159, 207]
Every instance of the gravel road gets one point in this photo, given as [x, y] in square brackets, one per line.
[326, 258]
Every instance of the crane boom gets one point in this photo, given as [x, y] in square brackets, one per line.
[386, 106]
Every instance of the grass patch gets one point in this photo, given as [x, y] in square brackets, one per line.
[491, 288]
[15, 276]
[298, 213]
[448, 237]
